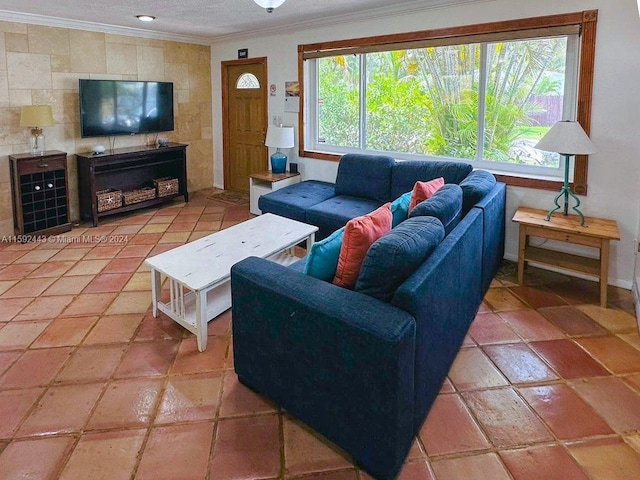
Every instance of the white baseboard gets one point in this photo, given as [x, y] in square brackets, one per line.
[636, 301]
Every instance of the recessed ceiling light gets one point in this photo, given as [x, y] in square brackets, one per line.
[146, 18]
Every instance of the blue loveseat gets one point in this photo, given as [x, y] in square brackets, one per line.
[360, 370]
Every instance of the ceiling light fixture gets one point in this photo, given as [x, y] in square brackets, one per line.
[146, 18]
[269, 5]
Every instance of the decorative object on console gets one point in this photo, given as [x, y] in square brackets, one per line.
[279, 137]
[269, 5]
[98, 149]
[566, 138]
[36, 116]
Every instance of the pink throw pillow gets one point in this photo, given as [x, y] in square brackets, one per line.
[423, 190]
[359, 234]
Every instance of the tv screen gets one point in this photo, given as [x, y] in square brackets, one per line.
[122, 107]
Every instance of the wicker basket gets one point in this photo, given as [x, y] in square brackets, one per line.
[109, 199]
[139, 195]
[166, 186]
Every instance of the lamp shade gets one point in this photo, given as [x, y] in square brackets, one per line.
[279, 137]
[271, 4]
[36, 116]
[566, 138]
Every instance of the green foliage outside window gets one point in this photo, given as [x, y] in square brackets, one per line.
[427, 101]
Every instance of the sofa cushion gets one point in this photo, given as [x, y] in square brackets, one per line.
[322, 259]
[335, 212]
[475, 187]
[359, 234]
[423, 190]
[396, 255]
[445, 205]
[294, 200]
[400, 209]
[404, 174]
[366, 176]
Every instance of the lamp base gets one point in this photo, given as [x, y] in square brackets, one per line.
[278, 162]
[36, 141]
[566, 193]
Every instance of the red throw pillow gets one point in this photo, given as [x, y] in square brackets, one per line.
[359, 234]
[423, 190]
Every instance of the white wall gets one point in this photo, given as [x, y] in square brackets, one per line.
[614, 172]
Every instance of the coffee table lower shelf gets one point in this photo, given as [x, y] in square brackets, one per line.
[184, 305]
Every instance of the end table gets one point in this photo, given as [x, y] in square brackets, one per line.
[597, 233]
[266, 182]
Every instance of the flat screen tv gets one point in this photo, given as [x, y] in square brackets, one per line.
[122, 107]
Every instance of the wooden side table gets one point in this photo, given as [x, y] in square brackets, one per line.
[596, 233]
[266, 182]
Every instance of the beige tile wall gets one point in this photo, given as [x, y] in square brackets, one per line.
[42, 65]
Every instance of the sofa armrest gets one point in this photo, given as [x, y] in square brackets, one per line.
[443, 295]
[341, 361]
[493, 207]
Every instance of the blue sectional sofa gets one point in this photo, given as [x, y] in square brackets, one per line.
[360, 370]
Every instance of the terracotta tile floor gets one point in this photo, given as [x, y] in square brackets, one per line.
[546, 386]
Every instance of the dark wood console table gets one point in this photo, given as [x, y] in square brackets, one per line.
[127, 169]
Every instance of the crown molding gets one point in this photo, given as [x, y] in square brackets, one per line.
[407, 8]
[47, 21]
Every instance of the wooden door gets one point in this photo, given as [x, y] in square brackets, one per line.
[244, 112]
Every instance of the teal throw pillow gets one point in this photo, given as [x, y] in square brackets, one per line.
[400, 209]
[322, 259]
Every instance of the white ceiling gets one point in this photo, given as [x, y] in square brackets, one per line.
[201, 21]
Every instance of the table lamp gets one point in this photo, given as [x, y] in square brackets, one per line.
[566, 138]
[279, 137]
[36, 116]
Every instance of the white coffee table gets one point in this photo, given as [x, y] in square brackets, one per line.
[199, 272]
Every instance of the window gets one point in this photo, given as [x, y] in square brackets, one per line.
[247, 81]
[484, 93]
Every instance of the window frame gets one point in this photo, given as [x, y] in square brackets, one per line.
[585, 20]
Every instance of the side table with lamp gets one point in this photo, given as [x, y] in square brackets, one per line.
[261, 183]
[567, 138]
[39, 183]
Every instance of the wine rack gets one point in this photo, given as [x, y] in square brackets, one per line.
[40, 193]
